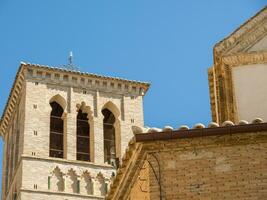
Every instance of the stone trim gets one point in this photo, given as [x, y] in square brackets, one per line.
[60, 160]
[213, 96]
[245, 59]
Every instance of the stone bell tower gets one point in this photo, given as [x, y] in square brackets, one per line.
[65, 132]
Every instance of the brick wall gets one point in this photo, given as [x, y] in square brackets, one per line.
[215, 167]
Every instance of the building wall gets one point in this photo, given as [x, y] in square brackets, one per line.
[217, 167]
[249, 82]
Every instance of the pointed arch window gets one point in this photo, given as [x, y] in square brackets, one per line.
[109, 136]
[83, 137]
[56, 146]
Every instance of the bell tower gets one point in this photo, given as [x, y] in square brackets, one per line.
[65, 131]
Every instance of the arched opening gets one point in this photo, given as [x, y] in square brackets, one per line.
[56, 145]
[83, 137]
[109, 136]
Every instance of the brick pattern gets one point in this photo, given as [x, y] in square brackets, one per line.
[217, 167]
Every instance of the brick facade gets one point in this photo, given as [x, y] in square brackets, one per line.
[220, 166]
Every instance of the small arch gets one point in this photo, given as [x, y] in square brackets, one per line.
[60, 100]
[89, 185]
[75, 182]
[60, 180]
[113, 108]
[85, 109]
[101, 184]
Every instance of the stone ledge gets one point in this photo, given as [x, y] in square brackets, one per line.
[81, 163]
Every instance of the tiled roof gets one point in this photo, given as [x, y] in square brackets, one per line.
[198, 130]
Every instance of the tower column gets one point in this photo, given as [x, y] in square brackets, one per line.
[70, 133]
[98, 140]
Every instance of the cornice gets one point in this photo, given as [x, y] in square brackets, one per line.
[72, 162]
[245, 59]
[246, 35]
[145, 85]
[65, 194]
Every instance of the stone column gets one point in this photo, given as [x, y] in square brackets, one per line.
[70, 133]
[98, 140]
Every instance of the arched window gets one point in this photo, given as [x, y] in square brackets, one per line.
[83, 137]
[56, 147]
[109, 136]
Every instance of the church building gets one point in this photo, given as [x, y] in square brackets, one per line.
[72, 135]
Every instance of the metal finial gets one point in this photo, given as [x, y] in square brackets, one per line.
[70, 58]
[70, 64]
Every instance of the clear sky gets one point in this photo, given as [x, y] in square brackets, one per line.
[166, 42]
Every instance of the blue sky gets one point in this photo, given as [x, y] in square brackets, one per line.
[168, 43]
